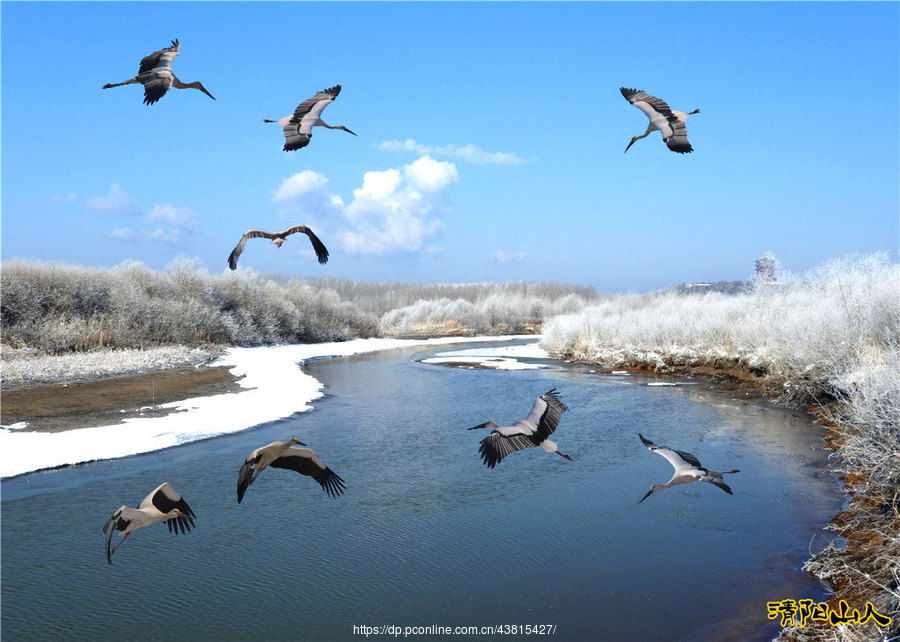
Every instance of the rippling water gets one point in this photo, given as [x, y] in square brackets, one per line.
[425, 534]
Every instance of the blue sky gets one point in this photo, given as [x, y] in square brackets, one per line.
[490, 138]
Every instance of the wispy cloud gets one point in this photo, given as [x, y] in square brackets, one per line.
[64, 198]
[467, 153]
[394, 210]
[505, 258]
[122, 234]
[173, 225]
[166, 223]
[116, 201]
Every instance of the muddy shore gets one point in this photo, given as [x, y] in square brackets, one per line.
[86, 404]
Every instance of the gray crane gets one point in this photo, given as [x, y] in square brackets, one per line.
[155, 74]
[298, 126]
[281, 454]
[687, 469]
[162, 505]
[530, 432]
[669, 122]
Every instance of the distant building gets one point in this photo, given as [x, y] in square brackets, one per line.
[766, 267]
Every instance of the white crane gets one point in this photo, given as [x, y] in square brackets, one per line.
[687, 469]
[280, 454]
[155, 74]
[278, 238]
[298, 126]
[162, 505]
[669, 122]
[528, 433]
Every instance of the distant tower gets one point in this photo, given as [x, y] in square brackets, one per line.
[766, 266]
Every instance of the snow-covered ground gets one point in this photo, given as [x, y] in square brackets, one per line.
[275, 388]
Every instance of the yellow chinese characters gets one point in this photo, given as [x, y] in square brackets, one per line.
[800, 612]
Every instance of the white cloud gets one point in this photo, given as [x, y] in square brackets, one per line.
[505, 258]
[64, 198]
[429, 175]
[181, 218]
[396, 209]
[378, 185]
[179, 224]
[117, 201]
[299, 184]
[469, 153]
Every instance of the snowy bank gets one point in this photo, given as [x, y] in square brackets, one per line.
[275, 388]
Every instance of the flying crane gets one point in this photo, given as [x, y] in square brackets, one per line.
[155, 74]
[669, 122]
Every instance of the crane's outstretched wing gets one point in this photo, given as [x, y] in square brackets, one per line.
[159, 59]
[293, 139]
[717, 481]
[553, 410]
[311, 109]
[677, 141]
[117, 522]
[648, 104]
[673, 130]
[249, 234]
[166, 499]
[504, 441]
[677, 458]
[318, 246]
[155, 87]
[245, 476]
[306, 462]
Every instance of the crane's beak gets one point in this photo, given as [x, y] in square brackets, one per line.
[649, 492]
[348, 131]
[630, 144]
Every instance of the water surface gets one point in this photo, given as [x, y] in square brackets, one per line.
[427, 535]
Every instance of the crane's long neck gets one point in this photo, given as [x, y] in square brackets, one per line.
[190, 85]
[322, 123]
[650, 128]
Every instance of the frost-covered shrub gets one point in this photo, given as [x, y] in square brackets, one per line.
[812, 327]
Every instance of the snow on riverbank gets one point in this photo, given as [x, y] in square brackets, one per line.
[276, 388]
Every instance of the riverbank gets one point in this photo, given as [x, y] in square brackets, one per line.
[269, 386]
[112, 400]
